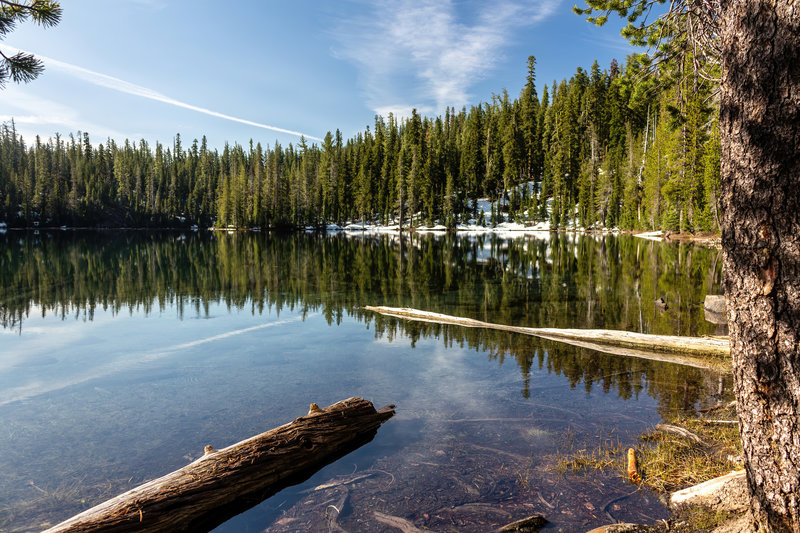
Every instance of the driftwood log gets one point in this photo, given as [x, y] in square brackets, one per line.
[728, 492]
[225, 482]
[690, 351]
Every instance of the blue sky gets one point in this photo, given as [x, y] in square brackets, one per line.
[271, 70]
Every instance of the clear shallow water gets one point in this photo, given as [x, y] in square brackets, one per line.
[122, 354]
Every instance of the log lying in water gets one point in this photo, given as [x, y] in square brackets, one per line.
[670, 348]
[225, 482]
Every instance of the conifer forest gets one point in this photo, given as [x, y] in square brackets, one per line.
[607, 148]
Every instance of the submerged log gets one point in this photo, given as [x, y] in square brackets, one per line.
[225, 482]
[671, 348]
[530, 524]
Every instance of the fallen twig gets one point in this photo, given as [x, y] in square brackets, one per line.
[340, 482]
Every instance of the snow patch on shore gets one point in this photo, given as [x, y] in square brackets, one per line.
[651, 235]
[485, 208]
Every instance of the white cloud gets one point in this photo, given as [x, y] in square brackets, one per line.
[429, 41]
[401, 112]
[614, 41]
[32, 110]
[116, 84]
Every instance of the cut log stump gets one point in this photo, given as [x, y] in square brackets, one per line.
[225, 482]
[715, 303]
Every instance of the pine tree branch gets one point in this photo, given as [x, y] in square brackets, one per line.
[24, 67]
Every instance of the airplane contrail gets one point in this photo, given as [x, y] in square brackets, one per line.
[123, 363]
[116, 84]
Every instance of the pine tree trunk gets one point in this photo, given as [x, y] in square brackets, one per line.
[760, 204]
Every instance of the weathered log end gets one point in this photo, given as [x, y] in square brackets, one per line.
[386, 412]
[225, 482]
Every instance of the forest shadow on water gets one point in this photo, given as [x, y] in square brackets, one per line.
[124, 353]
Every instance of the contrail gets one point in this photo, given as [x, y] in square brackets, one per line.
[110, 82]
[135, 360]
[157, 354]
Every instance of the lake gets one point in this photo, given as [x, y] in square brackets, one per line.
[124, 353]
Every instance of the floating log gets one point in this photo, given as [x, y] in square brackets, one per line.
[670, 348]
[225, 482]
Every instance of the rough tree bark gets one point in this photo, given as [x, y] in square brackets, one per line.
[760, 133]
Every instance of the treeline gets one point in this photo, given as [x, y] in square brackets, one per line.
[606, 148]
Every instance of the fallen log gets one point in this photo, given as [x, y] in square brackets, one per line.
[670, 348]
[728, 492]
[225, 482]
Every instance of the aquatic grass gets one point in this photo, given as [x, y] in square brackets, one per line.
[670, 462]
[45, 506]
[606, 456]
[667, 462]
[698, 518]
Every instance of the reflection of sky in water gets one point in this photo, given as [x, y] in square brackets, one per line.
[92, 407]
[51, 354]
[130, 397]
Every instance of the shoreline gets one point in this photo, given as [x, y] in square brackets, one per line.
[711, 239]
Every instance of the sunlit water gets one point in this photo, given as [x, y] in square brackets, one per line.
[123, 354]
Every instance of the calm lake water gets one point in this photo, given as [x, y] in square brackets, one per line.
[122, 354]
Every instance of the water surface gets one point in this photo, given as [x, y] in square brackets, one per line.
[124, 353]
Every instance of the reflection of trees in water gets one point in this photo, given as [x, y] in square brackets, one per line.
[676, 387]
[561, 281]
